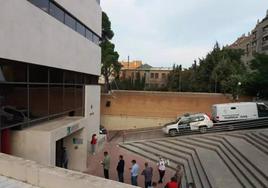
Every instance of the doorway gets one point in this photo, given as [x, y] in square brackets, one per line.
[59, 153]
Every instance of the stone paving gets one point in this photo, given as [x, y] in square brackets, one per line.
[95, 168]
[217, 160]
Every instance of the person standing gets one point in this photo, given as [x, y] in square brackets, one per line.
[178, 175]
[93, 143]
[120, 169]
[148, 175]
[172, 184]
[106, 165]
[65, 159]
[134, 170]
[161, 169]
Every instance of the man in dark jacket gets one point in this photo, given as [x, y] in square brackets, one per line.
[120, 169]
[148, 175]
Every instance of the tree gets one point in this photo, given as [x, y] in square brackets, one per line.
[257, 82]
[109, 57]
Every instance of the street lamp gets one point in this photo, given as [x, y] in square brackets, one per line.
[237, 92]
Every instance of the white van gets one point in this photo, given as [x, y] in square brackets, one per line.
[238, 111]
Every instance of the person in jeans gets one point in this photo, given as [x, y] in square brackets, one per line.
[120, 169]
[134, 170]
[148, 175]
[106, 165]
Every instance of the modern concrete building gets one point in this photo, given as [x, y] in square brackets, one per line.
[49, 67]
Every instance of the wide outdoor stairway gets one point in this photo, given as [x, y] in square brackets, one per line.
[230, 159]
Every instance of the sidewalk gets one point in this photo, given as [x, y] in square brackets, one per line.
[95, 168]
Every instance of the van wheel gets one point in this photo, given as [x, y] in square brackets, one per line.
[173, 132]
[203, 129]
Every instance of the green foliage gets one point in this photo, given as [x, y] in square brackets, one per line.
[257, 79]
[109, 57]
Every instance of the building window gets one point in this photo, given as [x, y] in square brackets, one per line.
[80, 29]
[163, 75]
[56, 12]
[43, 4]
[89, 35]
[66, 18]
[12, 72]
[152, 75]
[156, 75]
[70, 21]
[38, 74]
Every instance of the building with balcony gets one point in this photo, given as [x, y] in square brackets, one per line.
[49, 68]
[255, 42]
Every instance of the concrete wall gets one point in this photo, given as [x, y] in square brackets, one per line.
[130, 109]
[50, 177]
[31, 35]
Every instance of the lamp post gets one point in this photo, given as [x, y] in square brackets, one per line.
[237, 92]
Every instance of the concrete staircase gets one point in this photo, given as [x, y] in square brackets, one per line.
[233, 160]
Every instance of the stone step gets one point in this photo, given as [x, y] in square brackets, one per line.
[211, 159]
[182, 143]
[263, 140]
[189, 170]
[248, 165]
[264, 135]
[184, 155]
[252, 140]
[250, 153]
[190, 152]
[155, 157]
[238, 170]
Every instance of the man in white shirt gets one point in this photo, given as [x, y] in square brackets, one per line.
[161, 169]
[134, 173]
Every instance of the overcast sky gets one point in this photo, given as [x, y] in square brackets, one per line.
[164, 32]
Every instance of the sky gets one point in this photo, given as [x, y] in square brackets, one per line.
[166, 32]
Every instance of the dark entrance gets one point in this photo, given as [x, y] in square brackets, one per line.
[59, 153]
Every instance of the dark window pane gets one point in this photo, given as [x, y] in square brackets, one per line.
[38, 98]
[55, 99]
[13, 105]
[56, 12]
[69, 98]
[80, 29]
[43, 4]
[89, 35]
[38, 74]
[79, 78]
[56, 76]
[96, 39]
[70, 21]
[91, 80]
[11, 71]
[79, 96]
[69, 77]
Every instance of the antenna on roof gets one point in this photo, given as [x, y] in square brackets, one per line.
[128, 61]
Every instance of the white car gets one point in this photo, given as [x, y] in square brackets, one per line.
[200, 121]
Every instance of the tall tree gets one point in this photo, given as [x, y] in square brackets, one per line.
[109, 57]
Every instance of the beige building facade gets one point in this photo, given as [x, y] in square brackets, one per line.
[255, 42]
[154, 77]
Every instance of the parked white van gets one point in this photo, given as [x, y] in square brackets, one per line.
[238, 111]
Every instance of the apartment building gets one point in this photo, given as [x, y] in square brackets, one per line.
[50, 63]
[255, 42]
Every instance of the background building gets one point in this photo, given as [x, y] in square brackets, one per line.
[154, 77]
[49, 68]
[255, 42]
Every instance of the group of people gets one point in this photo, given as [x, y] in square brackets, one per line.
[147, 172]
